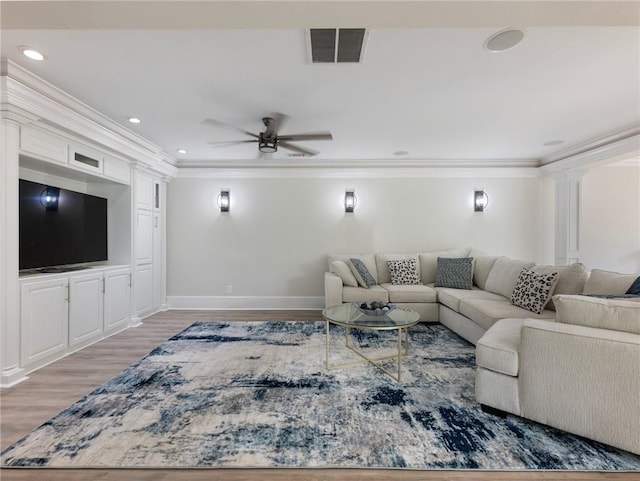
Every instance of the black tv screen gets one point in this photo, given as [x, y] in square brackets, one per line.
[59, 227]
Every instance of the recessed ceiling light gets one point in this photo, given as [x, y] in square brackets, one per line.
[182, 151]
[400, 152]
[553, 142]
[31, 53]
[134, 120]
[504, 40]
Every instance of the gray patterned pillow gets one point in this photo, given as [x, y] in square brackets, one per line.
[456, 272]
[404, 272]
[361, 273]
[533, 290]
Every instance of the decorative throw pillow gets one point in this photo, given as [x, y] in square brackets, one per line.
[342, 270]
[533, 290]
[361, 273]
[404, 272]
[634, 289]
[456, 272]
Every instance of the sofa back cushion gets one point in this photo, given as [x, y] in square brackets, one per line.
[504, 275]
[607, 282]
[613, 314]
[382, 266]
[481, 269]
[343, 271]
[571, 279]
[429, 262]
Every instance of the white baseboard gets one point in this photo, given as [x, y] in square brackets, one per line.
[246, 302]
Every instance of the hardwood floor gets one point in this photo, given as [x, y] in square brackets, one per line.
[56, 386]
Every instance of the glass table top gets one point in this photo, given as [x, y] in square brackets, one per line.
[349, 315]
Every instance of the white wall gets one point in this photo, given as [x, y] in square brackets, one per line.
[275, 240]
[610, 219]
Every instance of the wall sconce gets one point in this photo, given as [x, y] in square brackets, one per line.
[480, 200]
[350, 201]
[50, 197]
[224, 200]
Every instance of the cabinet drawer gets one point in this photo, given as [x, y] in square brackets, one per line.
[43, 145]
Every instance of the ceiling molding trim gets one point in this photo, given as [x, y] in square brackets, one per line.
[591, 144]
[27, 92]
[621, 150]
[307, 162]
[359, 173]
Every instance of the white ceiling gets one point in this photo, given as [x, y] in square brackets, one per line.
[426, 86]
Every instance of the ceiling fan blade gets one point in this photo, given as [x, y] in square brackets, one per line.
[298, 149]
[324, 135]
[226, 143]
[217, 123]
[277, 120]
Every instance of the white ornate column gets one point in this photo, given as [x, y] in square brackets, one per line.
[10, 370]
[567, 216]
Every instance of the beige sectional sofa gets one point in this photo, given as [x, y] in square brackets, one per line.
[469, 313]
[576, 369]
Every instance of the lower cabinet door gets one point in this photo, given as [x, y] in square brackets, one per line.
[144, 289]
[43, 320]
[85, 308]
[117, 299]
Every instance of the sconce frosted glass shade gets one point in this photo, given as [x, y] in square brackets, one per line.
[224, 200]
[350, 201]
[480, 201]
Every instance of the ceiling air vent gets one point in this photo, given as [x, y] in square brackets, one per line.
[333, 45]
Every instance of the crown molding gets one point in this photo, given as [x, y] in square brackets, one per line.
[348, 171]
[626, 148]
[592, 144]
[32, 99]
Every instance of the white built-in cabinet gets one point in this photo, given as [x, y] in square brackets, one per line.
[51, 138]
[44, 325]
[86, 308]
[149, 243]
[117, 305]
[61, 313]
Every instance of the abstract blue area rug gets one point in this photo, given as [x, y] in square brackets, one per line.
[256, 394]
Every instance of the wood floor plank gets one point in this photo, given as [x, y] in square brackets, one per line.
[54, 387]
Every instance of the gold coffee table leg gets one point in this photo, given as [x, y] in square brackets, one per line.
[402, 352]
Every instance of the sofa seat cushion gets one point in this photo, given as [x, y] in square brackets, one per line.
[410, 293]
[498, 349]
[373, 293]
[485, 312]
[452, 297]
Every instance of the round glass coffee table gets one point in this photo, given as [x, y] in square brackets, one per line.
[350, 317]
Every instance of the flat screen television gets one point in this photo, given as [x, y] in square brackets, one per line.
[60, 227]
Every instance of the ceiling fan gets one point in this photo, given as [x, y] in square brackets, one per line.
[269, 140]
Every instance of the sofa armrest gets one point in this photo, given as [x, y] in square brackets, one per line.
[332, 290]
[581, 379]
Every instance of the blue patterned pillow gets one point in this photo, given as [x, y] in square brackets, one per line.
[455, 272]
[361, 273]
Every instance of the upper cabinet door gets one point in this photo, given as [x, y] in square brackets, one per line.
[145, 190]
